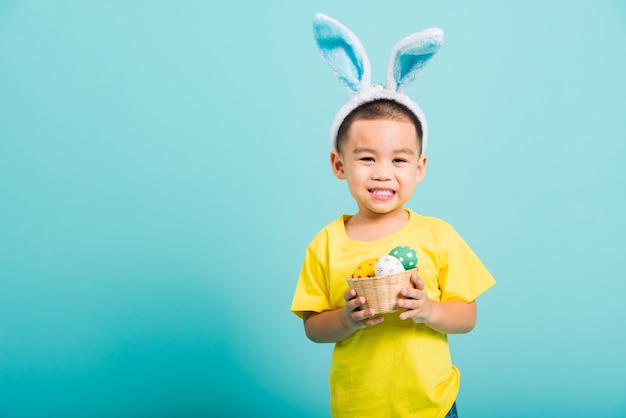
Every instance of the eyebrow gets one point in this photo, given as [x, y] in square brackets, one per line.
[359, 150]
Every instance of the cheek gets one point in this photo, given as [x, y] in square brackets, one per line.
[410, 175]
[357, 173]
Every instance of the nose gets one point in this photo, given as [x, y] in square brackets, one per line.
[382, 172]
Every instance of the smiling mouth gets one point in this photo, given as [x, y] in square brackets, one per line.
[382, 193]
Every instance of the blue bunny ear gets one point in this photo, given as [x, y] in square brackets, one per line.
[343, 52]
[410, 55]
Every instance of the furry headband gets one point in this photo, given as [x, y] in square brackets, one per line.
[345, 55]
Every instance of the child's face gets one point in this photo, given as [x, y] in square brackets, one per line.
[381, 162]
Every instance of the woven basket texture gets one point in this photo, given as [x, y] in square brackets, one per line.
[382, 293]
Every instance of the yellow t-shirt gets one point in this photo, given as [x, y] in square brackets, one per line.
[397, 368]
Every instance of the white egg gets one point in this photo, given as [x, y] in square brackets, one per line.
[387, 265]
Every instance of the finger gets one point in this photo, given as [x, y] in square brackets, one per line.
[410, 292]
[374, 321]
[407, 314]
[350, 294]
[417, 282]
[355, 304]
[408, 303]
[364, 314]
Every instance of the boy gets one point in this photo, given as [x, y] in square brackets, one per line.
[397, 364]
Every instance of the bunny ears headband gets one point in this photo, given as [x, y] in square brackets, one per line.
[345, 55]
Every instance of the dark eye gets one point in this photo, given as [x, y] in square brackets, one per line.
[399, 160]
[367, 159]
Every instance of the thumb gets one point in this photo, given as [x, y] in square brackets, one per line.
[417, 282]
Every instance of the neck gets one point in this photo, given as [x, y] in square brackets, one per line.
[372, 226]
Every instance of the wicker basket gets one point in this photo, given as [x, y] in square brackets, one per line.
[382, 293]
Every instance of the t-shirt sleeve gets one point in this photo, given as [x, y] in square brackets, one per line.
[312, 293]
[462, 276]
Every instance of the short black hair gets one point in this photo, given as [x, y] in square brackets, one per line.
[379, 109]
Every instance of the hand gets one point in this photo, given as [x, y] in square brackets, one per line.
[419, 307]
[355, 317]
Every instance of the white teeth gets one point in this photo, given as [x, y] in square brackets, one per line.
[382, 192]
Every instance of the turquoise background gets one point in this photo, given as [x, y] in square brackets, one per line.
[164, 164]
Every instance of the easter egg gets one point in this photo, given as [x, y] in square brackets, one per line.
[406, 255]
[365, 269]
[387, 265]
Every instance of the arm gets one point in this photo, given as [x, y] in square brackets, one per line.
[453, 317]
[339, 324]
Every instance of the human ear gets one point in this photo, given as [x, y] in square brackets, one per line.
[421, 169]
[336, 162]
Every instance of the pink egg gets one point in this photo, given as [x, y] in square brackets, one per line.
[387, 265]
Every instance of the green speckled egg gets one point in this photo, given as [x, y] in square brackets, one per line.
[406, 255]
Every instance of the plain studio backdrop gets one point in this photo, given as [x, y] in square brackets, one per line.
[163, 166]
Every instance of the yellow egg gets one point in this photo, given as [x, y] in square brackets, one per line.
[365, 269]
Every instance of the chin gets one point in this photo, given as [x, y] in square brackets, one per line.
[384, 210]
